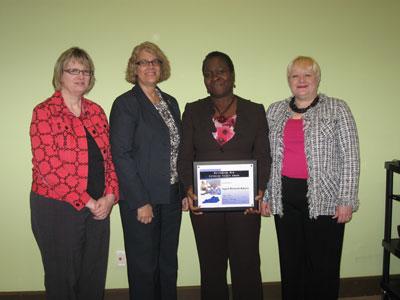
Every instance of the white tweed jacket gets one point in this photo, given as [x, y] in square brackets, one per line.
[332, 153]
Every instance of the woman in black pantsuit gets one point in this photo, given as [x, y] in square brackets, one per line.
[145, 135]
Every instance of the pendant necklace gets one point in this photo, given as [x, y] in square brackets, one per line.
[221, 118]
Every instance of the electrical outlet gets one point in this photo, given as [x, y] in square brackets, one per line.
[121, 258]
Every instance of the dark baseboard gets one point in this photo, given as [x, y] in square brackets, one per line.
[349, 287]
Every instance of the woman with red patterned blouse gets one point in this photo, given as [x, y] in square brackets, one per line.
[74, 184]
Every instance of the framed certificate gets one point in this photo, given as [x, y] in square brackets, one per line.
[225, 185]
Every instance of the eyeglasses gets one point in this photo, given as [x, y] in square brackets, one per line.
[77, 72]
[146, 63]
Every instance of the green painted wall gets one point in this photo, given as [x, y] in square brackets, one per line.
[356, 43]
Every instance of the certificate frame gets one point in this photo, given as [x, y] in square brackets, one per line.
[229, 185]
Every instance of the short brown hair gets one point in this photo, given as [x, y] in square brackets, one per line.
[68, 55]
[131, 75]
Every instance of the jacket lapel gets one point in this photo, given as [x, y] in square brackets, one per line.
[150, 112]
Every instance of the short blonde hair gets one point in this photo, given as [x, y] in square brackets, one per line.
[131, 75]
[305, 60]
[68, 55]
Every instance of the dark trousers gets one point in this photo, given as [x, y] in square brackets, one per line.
[233, 236]
[74, 249]
[309, 249]
[151, 250]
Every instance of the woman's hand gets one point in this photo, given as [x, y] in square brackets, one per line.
[258, 199]
[104, 207]
[145, 214]
[265, 209]
[92, 205]
[191, 197]
[343, 213]
[185, 204]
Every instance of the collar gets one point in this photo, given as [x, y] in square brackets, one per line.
[58, 100]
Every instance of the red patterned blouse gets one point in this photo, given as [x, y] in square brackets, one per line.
[60, 150]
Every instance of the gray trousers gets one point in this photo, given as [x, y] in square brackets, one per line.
[74, 249]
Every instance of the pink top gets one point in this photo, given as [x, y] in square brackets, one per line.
[294, 158]
[224, 131]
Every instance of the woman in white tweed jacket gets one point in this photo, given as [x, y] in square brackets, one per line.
[313, 185]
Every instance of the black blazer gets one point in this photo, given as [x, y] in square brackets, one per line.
[140, 146]
[250, 140]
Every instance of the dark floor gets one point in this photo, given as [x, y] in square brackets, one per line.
[378, 297]
[125, 297]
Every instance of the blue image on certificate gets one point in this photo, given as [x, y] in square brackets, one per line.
[213, 199]
[236, 197]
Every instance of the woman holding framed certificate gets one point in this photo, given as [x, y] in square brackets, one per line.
[226, 130]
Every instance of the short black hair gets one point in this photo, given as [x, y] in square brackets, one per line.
[225, 57]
